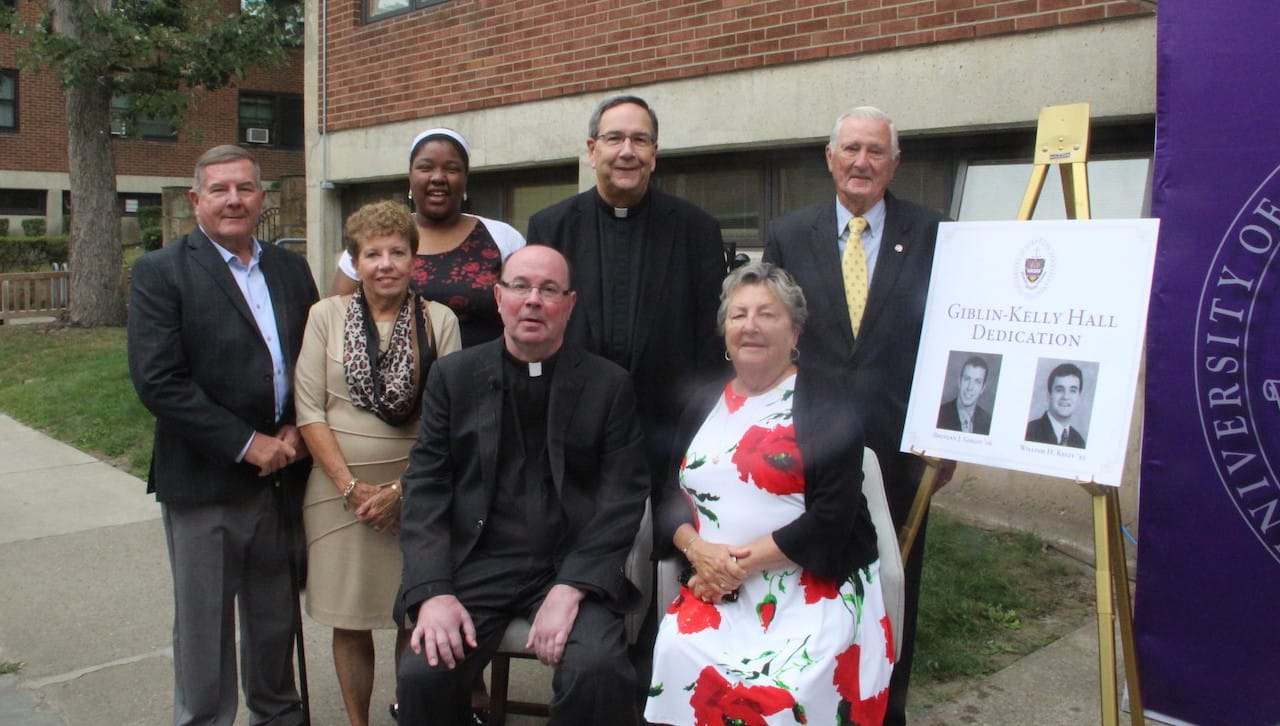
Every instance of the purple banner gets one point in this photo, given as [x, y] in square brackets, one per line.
[1208, 593]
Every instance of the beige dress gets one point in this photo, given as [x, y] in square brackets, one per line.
[353, 572]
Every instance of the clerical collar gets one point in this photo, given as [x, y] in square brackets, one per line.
[535, 369]
[624, 212]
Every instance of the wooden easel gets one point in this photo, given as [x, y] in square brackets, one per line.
[1062, 139]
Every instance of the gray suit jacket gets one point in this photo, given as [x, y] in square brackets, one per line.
[594, 448]
[883, 358]
[201, 367]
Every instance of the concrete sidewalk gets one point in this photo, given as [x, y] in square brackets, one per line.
[86, 607]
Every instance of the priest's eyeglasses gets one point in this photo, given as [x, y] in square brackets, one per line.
[547, 291]
[615, 139]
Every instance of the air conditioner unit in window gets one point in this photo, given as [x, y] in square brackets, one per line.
[117, 127]
[257, 135]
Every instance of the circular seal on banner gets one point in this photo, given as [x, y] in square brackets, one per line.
[1237, 362]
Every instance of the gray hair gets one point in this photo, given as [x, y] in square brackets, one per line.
[223, 154]
[779, 282]
[593, 125]
[869, 113]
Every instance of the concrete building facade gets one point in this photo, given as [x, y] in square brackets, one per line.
[741, 86]
[746, 92]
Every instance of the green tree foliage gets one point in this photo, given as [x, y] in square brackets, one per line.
[158, 53]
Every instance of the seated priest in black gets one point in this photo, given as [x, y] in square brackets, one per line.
[524, 493]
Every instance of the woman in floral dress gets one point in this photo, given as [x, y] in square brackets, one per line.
[781, 620]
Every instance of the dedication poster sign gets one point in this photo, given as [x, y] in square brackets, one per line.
[1031, 345]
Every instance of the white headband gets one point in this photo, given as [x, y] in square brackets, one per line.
[442, 131]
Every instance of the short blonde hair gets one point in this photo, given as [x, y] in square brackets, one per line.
[379, 218]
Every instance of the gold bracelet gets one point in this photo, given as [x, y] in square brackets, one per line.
[346, 493]
[689, 544]
[395, 487]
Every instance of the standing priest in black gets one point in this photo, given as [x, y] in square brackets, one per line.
[648, 267]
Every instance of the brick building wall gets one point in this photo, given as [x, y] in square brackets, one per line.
[466, 55]
[40, 143]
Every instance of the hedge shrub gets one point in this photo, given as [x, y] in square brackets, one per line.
[31, 254]
[33, 227]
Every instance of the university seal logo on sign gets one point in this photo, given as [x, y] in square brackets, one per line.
[1035, 267]
[1237, 362]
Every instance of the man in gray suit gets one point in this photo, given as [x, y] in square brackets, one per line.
[864, 263]
[215, 323]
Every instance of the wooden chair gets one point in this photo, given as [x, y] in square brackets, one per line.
[638, 569]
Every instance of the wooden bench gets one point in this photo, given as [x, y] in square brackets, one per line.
[34, 295]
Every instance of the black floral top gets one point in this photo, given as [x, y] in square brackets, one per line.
[463, 279]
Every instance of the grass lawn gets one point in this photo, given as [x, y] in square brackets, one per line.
[73, 384]
[988, 597]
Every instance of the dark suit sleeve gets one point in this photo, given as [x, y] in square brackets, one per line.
[595, 557]
[832, 535]
[160, 370]
[773, 253]
[707, 259]
[540, 229]
[302, 294]
[426, 512]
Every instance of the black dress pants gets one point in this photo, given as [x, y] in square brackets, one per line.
[592, 684]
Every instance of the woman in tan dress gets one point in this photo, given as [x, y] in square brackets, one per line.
[358, 389]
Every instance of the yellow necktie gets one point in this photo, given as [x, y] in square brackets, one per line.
[854, 269]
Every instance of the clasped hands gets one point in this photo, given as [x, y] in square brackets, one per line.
[273, 453]
[376, 506]
[444, 627]
[718, 569]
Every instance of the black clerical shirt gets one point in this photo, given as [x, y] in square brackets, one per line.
[621, 232]
[525, 517]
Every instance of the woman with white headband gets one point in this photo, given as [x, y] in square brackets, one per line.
[459, 255]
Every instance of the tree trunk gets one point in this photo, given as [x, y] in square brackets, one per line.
[95, 255]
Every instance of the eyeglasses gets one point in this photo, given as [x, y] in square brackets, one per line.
[615, 139]
[547, 291]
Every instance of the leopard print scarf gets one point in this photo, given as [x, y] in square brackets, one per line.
[388, 384]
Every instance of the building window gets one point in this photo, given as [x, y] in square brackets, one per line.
[125, 122]
[271, 120]
[131, 202]
[513, 195]
[8, 99]
[379, 9]
[1118, 189]
[23, 202]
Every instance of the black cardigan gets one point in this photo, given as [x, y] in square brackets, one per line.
[835, 535]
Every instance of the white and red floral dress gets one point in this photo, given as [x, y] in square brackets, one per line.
[793, 648]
